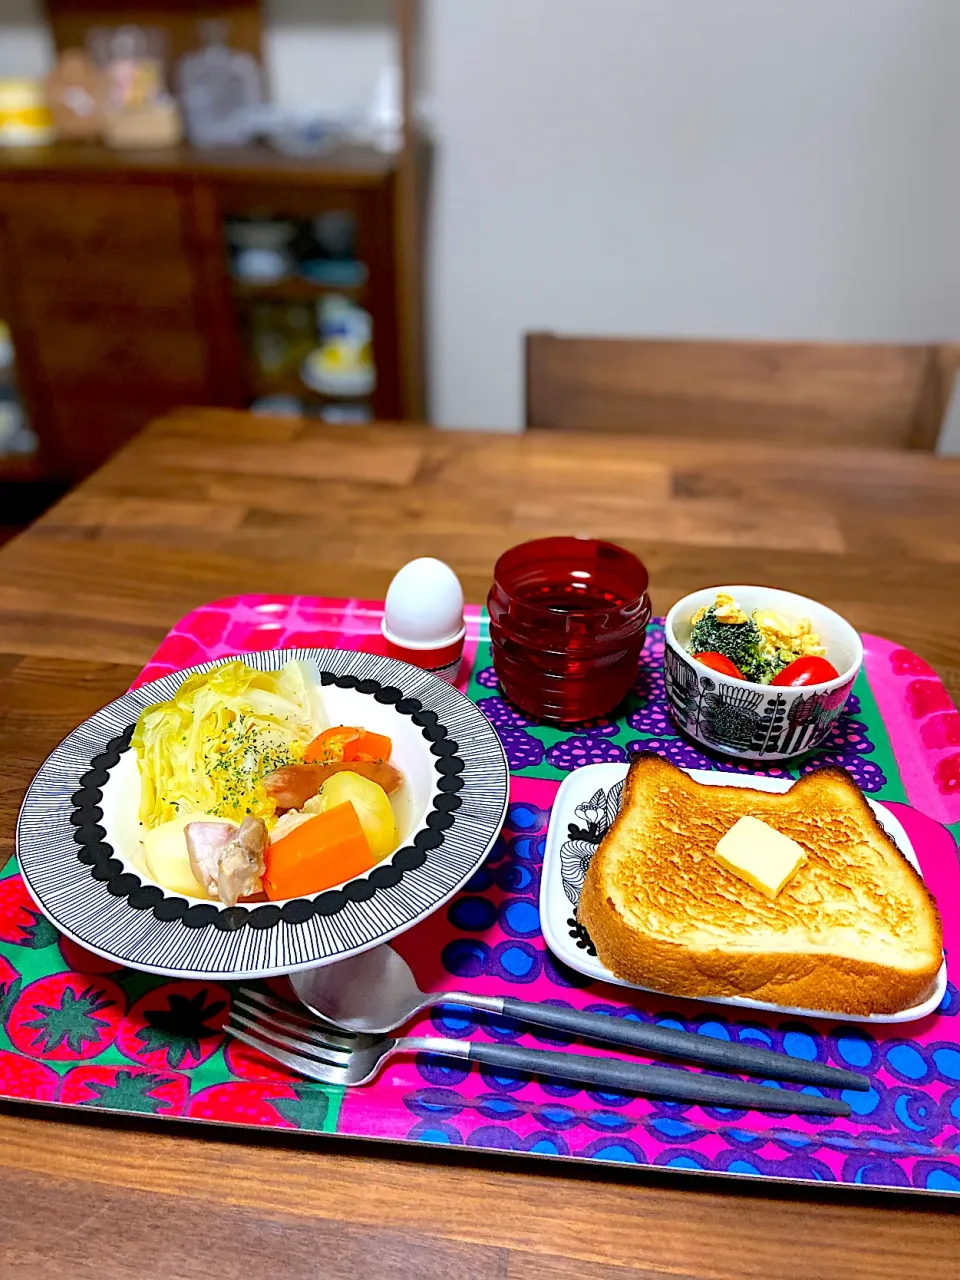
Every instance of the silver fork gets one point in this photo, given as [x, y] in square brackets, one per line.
[319, 1052]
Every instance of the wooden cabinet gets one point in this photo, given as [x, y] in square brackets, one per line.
[114, 278]
[104, 319]
[68, 224]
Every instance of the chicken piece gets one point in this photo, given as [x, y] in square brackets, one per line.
[293, 785]
[227, 860]
[242, 862]
[206, 842]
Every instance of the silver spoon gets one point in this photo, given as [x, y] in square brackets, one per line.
[376, 992]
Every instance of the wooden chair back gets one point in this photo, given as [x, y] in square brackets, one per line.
[873, 396]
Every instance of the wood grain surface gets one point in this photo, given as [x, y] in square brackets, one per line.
[872, 395]
[207, 503]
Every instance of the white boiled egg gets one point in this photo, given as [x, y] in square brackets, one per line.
[424, 605]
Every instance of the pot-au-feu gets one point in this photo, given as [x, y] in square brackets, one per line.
[247, 792]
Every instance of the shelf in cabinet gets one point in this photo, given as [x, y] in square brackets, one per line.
[18, 467]
[293, 290]
[348, 166]
[290, 384]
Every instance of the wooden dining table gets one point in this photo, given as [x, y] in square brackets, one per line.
[209, 503]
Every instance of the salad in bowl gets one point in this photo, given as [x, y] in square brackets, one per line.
[764, 646]
[756, 672]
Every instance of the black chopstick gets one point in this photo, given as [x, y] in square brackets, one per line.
[617, 1076]
[690, 1046]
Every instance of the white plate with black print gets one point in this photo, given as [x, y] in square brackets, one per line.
[79, 850]
[586, 804]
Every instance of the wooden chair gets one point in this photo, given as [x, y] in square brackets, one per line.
[829, 393]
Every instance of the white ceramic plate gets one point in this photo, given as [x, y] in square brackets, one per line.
[80, 854]
[566, 861]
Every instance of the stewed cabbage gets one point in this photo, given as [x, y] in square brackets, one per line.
[208, 748]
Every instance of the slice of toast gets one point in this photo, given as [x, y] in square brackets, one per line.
[854, 931]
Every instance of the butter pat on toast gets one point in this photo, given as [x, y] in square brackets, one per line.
[759, 854]
[854, 930]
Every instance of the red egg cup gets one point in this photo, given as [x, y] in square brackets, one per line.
[442, 660]
[568, 618]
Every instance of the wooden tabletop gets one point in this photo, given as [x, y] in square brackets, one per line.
[209, 503]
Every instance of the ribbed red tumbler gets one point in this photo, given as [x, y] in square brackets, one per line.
[568, 618]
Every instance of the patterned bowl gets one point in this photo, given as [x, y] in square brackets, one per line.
[757, 721]
[78, 835]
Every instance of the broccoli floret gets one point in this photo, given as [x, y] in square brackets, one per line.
[741, 642]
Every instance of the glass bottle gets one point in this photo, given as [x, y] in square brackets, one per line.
[218, 88]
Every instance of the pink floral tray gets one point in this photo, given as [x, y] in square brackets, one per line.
[75, 1033]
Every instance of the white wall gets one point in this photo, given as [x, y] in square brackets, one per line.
[774, 168]
[326, 52]
[25, 47]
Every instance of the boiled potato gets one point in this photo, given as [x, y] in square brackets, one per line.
[167, 857]
[371, 805]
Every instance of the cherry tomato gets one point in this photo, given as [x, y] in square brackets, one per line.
[806, 670]
[721, 663]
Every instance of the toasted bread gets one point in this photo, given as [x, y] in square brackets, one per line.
[854, 931]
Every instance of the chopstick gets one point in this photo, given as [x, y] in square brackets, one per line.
[674, 1083]
[688, 1046]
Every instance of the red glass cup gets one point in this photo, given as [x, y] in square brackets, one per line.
[568, 618]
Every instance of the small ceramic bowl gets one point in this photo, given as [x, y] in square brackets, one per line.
[757, 721]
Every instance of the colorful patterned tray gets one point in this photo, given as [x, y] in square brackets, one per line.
[73, 1032]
